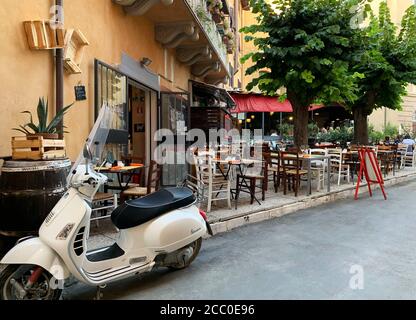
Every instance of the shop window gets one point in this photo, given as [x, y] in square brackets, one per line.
[111, 89]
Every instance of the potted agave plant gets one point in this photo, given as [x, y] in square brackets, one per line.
[43, 128]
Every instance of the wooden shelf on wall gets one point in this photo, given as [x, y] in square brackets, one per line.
[75, 44]
[41, 36]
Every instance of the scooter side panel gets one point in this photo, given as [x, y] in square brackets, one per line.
[70, 210]
[174, 230]
[35, 252]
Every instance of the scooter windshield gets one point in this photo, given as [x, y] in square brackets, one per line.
[96, 140]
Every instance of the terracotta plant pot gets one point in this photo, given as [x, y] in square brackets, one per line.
[216, 17]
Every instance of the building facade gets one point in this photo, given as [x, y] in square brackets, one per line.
[142, 57]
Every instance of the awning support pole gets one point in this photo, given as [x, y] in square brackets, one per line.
[262, 126]
[280, 126]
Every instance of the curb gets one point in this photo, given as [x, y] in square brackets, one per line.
[229, 224]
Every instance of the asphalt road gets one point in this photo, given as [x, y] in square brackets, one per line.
[363, 249]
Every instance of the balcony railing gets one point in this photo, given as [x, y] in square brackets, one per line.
[199, 7]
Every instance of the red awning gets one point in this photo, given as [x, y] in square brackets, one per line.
[259, 103]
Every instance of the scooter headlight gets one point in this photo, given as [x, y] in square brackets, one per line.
[65, 231]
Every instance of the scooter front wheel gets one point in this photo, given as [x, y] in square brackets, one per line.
[185, 260]
[15, 284]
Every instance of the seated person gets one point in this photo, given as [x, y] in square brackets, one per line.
[409, 142]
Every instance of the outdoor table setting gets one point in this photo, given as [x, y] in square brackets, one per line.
[240, 164]
[120, 171]
[308, 158]
[230, 161]
[386, 158]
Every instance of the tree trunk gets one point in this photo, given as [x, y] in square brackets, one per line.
[301, 118]
[360, 126]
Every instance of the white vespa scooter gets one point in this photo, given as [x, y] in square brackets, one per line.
[163, 229]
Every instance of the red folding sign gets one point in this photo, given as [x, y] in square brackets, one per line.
[370, 168]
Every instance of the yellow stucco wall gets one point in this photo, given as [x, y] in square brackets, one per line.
[247, 19]
[26, 75]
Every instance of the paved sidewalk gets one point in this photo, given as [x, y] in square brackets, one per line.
[306, 255]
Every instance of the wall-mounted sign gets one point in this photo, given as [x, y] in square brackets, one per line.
[139, 127]
[80, 93]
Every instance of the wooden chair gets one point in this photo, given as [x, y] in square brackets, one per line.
[408, 156]
[386, 160]
[292, 170]
[153, 183]
[136, 179]
[274, 170]
[338, 166]
[252, 176]
[318, 167]
[209, 184]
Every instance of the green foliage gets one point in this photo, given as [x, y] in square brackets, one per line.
[201, 12]
[286, 129]
[340, 135]
[374, 135]
[313, 130]
[387, 58]
[391, 130]
[43, 126]
[304, 46]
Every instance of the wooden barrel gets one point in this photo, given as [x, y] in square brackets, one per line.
[28, 192]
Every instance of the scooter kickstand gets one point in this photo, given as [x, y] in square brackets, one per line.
[99, 295]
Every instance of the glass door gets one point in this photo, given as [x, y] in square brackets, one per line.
[174, 116]
[111, 89]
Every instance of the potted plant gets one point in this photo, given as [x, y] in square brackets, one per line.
[230, 46]
[215, 7]
[43, 129]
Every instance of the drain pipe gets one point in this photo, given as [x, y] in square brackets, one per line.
[59, 76]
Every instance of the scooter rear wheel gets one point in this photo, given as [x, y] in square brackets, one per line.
[41, 290]
[196, 246]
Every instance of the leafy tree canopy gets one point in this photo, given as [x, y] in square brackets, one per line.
[387, 59]
[304, 46]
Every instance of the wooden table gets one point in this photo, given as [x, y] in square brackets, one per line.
[384, 156]
[239, 164]
[119, 171]
[308, 159]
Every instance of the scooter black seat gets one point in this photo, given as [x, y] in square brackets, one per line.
[139, 211]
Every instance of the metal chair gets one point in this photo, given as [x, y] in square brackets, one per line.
[103, 204]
